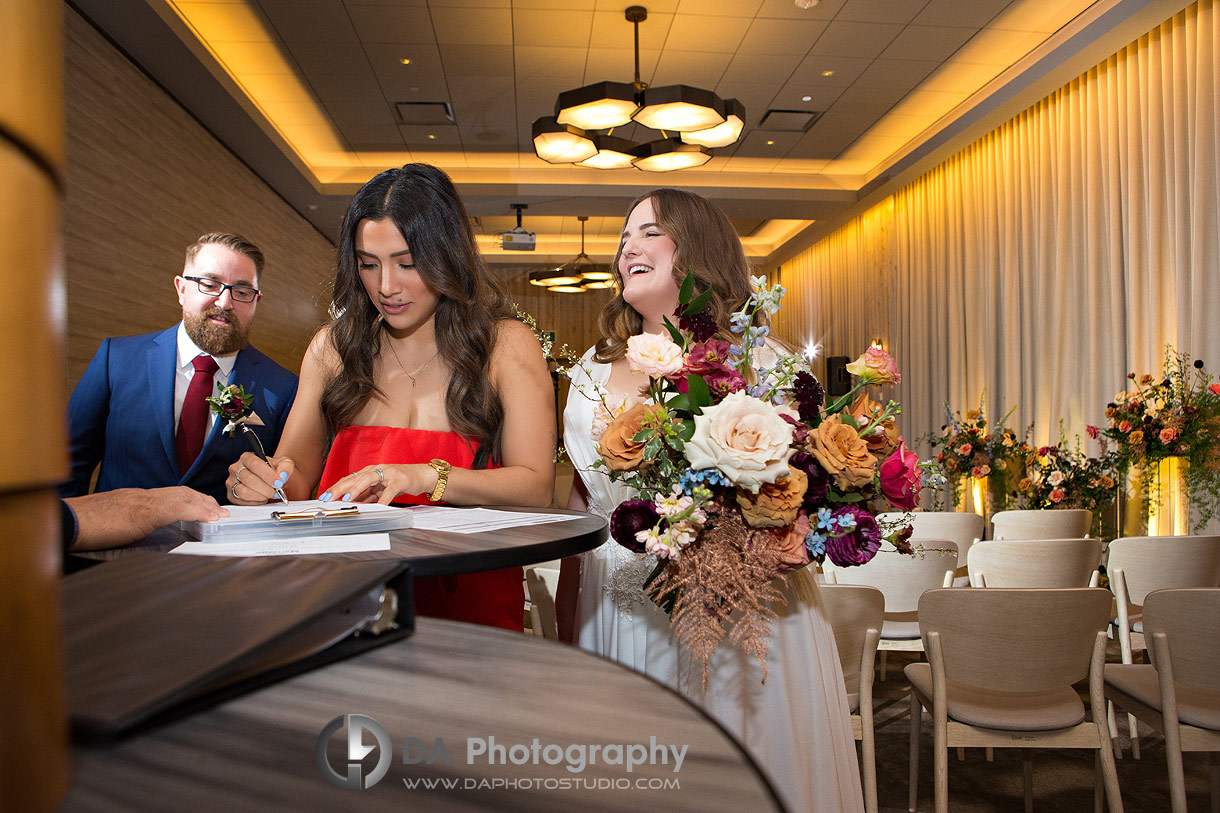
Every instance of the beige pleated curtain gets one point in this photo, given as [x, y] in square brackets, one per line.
[1050, 258]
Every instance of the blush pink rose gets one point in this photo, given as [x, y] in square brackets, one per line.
[654, 355]
[965, 449]
[1214, 388]
[875, 367]
[743, 437]
[1168, 435]
[900, 478]
[1057, 495]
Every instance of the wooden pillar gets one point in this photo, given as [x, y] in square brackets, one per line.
[33, 734]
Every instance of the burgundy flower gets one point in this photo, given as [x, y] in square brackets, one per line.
[723, 382]
[860, 545]
[902, 540]
[819, 480]
[708, 356]
[632, 516]
[800, 432]
[1091, 430]
[701, 326]
[809, 396]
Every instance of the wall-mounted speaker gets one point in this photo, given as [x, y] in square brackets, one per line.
[838, 380]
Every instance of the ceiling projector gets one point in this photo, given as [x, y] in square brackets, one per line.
[518, 239]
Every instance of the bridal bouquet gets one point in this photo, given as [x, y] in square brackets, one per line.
[744, 472]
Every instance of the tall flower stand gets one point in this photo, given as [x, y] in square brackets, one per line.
[1157, 504]
[972, 496]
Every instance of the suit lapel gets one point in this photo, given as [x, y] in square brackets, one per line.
[162, 365]
[243, 374]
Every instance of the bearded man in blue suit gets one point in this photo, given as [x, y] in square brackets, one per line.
[135, 412]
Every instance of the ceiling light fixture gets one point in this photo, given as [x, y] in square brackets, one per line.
[578, 274]
[699, 119]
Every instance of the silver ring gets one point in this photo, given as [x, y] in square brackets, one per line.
[380, 475]
[233, 490]
[237, 476]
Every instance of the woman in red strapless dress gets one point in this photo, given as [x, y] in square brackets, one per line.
[421, 389]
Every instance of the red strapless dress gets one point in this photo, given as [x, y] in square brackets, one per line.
[495, 597]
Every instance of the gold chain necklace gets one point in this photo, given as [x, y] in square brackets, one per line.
[420, 371]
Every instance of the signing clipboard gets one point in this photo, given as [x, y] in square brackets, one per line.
[301, 518]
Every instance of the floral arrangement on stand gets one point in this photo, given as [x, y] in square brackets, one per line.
[1060, 476]
[744, 472]
[1177, 415]
[965, 448]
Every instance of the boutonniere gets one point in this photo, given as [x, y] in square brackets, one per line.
[234, 405]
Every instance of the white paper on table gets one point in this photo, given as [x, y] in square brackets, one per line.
[477, 520]
[302, 546]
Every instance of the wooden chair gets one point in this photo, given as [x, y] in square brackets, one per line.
[1035, 563]
[902, 579]
[856, 613]
[1138, 565]
[1001, 664]
[1179, 693]
[963, 528]
[542, 582]
[1054, 523]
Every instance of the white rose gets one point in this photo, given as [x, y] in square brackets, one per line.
[744, 438]
[653, 355]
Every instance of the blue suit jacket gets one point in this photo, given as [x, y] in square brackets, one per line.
[121, 414]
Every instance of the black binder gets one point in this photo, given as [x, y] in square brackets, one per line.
[151, 637]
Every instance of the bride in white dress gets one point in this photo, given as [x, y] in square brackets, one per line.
[797, 724]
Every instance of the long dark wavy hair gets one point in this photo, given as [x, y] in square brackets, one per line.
[424, 205]
[706, 244]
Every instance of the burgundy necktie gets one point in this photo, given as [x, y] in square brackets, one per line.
[194, 419]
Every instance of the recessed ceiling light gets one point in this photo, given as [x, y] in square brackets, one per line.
[806, 98]
[828, 73]
[431, 135]
[406, 60]
[769, 143]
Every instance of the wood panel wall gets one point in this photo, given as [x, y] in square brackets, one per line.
[144, 179]
[34, 744]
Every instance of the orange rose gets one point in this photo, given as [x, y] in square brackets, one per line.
[789, 543]
[1024, 484]
[618, 446]
[776, 504]
[842, 452]
[1137, 437]
[883, 438]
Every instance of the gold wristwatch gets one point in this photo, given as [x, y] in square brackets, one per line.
[442, 478]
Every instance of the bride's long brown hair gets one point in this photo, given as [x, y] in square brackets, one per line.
[423, 203]
[705, 243]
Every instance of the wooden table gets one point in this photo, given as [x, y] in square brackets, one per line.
[449, 681]
[436, 553]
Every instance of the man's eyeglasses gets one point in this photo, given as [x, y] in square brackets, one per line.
[212, 287]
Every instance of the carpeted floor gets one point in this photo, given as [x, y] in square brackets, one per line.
[1063, 779]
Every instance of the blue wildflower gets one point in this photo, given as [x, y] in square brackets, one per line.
[738, 322]
[825, 516]
[815, 543]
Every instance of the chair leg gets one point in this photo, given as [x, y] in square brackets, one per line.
[868, 757]
[940, 765]
[1133, 730]
[1099, 788]
[1112, 723]
[961, 754]
[1109, 772]
[1173, 759]
[881, 673]
[990, 752]
[1213, 759]
[913, 778]
[1027, 765]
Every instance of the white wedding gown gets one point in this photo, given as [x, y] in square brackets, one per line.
[797, 725]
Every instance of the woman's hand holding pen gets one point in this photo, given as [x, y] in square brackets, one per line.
[252, 481]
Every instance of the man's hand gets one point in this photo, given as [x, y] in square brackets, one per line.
[109, 519]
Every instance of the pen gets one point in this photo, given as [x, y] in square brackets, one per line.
[256, 446]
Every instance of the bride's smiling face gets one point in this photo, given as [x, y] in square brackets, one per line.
[646, 264]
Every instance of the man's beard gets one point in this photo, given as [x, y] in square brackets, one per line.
[214, 339]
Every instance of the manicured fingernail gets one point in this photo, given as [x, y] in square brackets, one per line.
[283, 477]
[325, 497]
[347, 497]
[279, 483]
